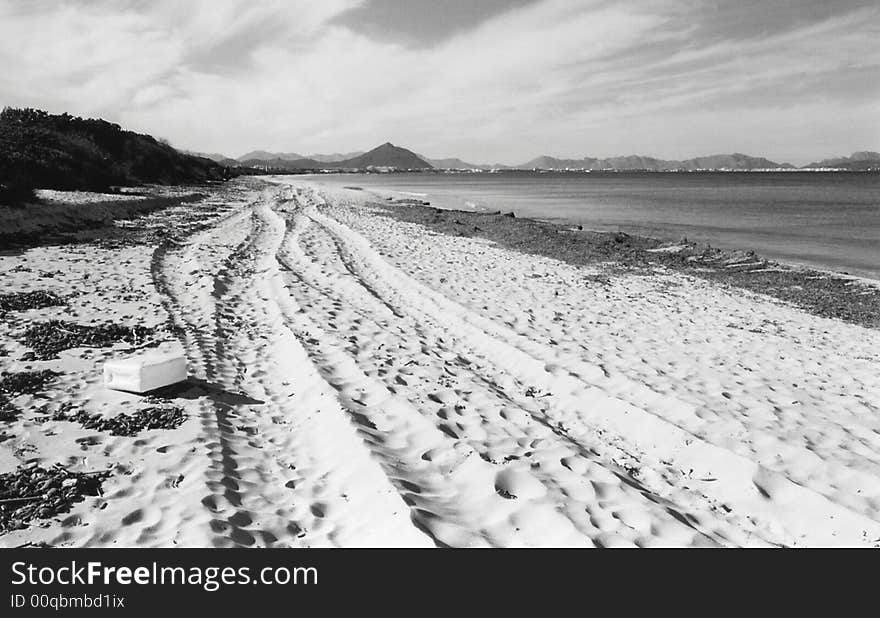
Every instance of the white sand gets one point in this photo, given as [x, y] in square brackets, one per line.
[400, 387]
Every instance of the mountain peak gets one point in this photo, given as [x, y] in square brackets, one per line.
[861, 160]
[387, 155]
[865, 155]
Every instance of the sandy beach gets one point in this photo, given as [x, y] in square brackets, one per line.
[361, 378]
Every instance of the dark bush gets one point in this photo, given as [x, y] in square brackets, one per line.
[42, 150]
[14, 194]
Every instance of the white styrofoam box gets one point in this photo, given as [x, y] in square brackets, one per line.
[145, 372]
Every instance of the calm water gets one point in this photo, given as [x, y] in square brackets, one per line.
[820, 219]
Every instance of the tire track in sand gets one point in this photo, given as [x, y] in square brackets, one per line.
[290, 471]
[404, 360]
[450, 490]
[783, 510]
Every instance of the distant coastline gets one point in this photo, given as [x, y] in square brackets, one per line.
[391, 158]
[391, 170]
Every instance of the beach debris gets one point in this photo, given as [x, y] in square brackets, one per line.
[47, 339]
[153, 417]
[21, 383]
[145, 372]
[22, 301]
[32, 492]
[8, 412]
[26, 382]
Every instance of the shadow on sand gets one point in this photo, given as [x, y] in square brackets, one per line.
[193, 388]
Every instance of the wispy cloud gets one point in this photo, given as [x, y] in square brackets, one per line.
[668, 77]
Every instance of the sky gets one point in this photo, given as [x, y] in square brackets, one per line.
[489, 81]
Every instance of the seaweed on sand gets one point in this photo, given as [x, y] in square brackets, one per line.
[154, 417]
[31, 493]
[24, 382]
[47, 339]
[21, 301]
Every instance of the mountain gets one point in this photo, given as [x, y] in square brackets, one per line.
[284, 164]
[385, 156]
[453, 164]
[552, 163]
[734, 161]
[864, 160]
[634, 162]
[214, 156]
[392, 156]
[335, 157]
[262, 155]
[47, 151]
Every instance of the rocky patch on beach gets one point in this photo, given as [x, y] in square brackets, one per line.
[47, 339]
[32, 493]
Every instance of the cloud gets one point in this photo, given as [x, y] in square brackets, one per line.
[666, 77]
[422, 23]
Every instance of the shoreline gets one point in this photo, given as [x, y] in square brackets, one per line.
[799, 284]
[802, 235]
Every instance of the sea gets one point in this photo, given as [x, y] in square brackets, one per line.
[825, 220]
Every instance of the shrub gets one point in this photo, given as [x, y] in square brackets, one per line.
[42, 150]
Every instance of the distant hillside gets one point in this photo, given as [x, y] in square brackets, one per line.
[857, 161]
[42, 150]
[545, 162]
[284, 164]
[262, 155]
[222, 159]
[734, 161]
[335, 157]
[453, 164]
[632, 162]
[385, 156]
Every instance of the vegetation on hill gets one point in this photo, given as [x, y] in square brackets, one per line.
[50, 151]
